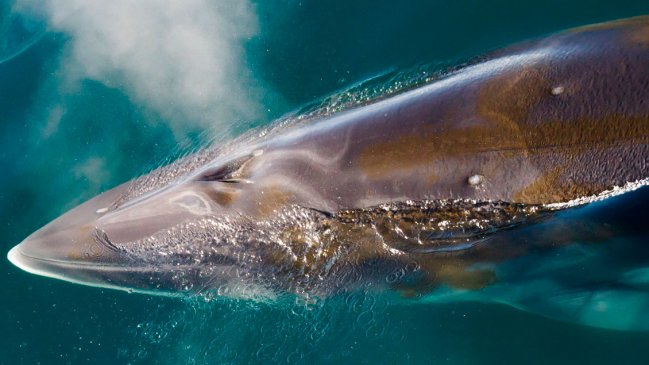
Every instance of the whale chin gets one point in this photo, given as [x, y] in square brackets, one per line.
[74, 272]
[78, 255]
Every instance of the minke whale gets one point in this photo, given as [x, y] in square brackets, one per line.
[499, 181]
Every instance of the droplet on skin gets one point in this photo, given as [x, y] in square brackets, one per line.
[557, 90]
[475, 180]
[101, 210]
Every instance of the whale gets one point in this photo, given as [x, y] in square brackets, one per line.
[467, 187]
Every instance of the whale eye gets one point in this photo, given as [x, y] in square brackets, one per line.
[229, 172]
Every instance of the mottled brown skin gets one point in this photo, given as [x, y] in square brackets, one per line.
[544, 122]
[564, 118]
[561, 119]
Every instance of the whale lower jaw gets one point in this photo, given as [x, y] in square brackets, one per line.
[96, 273]
[59, 269]
[39, 267]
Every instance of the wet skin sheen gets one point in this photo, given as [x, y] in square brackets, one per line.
[423, 184]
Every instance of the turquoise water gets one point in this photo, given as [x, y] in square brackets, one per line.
[77, 121]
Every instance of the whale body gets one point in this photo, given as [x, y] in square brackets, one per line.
[433, 193]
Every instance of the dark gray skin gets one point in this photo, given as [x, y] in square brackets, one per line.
[422, 181]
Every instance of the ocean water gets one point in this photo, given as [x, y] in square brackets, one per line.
[92, 95]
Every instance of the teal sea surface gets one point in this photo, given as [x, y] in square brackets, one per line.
[93, 94]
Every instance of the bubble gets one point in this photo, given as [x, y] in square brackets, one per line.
[375, 330]
[265, 352]
[293, 357]
[142, 354]
[365, 318]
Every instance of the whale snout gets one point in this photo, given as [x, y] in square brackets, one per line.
[84, 255]
[71, 247]
[104, 245]
[68, 241]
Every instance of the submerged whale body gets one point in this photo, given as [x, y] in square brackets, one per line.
[469, 187]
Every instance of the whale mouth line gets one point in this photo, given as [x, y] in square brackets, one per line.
[15, 253]
[17, 257]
